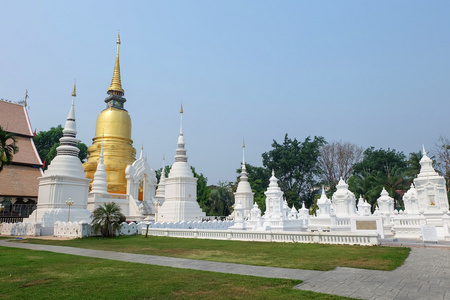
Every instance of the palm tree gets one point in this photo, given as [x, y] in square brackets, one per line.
[107, 219]
[7, 148]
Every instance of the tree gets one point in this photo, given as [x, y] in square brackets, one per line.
[203, 191]
[296, 165]
[7, 148]
[107, 219]
[337, 160]
[443, 160]
[222, 199]
[47, 141]
[378, 169]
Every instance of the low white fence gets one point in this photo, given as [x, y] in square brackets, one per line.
[84, 229]
[347, 238]
[408, 226]
[218, 225]
[72, 229]
[20, 229]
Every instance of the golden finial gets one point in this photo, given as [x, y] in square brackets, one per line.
[243, 143]
[74, 93]
[181, 110]
[116, 84]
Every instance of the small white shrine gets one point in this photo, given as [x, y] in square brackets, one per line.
[63, 190]
[243, 195]
[426, 205]
[139, 175]
[180, 203]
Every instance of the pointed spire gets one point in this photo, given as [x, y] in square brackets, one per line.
[243, 155]
[99, 184]
[181, 151]
[181, 119]
[424, 152]
[74, 93]
[69, 141]
[142, 152]
[163, 173]
[116, 84]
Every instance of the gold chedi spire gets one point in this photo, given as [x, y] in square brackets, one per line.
[74, 93]
[243, 143]
[113, 130]
[181, 110]
[116, 84]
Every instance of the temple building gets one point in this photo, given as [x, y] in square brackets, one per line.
[113, 130]
[19, 183]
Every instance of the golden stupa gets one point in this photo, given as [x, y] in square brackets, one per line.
[113, 129]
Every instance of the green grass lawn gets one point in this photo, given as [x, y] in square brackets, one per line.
[28, 274]
[285, 255]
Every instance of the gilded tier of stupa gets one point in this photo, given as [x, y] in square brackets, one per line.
[113, 129]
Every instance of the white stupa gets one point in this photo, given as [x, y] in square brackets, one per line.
[324, 205]
[180, 202]
[385, 203]
[244, 194]
[99, 184]
[430, 188]
[63, 181]
[343, 201]
[161, 191]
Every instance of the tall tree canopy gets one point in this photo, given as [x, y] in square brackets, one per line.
[337, 160]
[222, 199]
[7, 148]
[296, 165]
[443, 160]
[47, 141]
[378, 169]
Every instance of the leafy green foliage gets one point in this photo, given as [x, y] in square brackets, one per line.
[222, 199]
[107, 219]
[378, 169]
[47, 141]
[443, 160]
[203, 191]
[7, 148]
[296, 165]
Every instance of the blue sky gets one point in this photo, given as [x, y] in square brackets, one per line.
[374, 73]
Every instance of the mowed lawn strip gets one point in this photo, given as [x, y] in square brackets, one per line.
[284, 255]
[29, 274]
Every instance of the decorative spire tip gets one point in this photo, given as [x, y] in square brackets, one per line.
[74, 93]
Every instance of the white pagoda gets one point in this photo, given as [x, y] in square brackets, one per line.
[180, 202]
[63, 190]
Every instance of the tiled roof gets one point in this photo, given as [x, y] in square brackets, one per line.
[19, 181]
[27, 153]
[13, 118]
